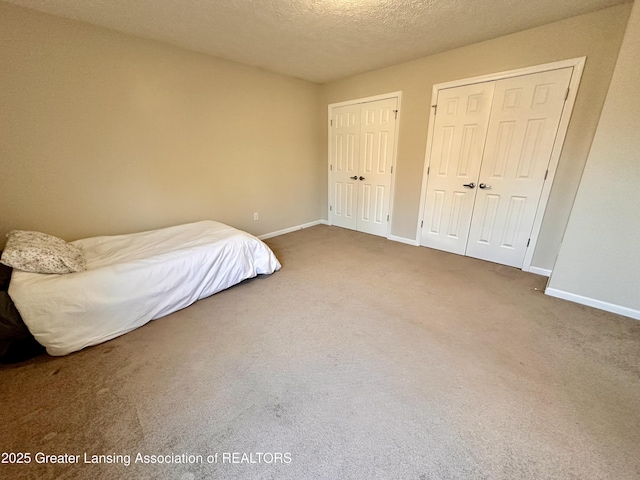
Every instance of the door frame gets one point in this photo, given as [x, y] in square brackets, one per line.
[385, 96]
[578, 67]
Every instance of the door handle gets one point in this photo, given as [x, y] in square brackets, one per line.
[361, 177]
[469, 185]
[355, 177]
[484, 185]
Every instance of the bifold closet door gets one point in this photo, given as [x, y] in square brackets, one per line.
[363, 141]
[459, 133]
[524, 121]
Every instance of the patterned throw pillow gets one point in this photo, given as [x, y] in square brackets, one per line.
[41, 253]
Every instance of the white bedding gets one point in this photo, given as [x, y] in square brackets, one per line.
[132, 279]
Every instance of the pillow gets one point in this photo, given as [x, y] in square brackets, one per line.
[41, 253]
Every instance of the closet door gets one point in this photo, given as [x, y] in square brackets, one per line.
[363, 140]
[377, 141]
[524, 121]
[345, 161]
[460, 128]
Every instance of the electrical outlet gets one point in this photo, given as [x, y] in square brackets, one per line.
[255, 216]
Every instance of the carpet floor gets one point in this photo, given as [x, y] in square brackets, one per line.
[361, 359]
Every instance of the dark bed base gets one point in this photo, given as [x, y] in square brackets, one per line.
[16, 342]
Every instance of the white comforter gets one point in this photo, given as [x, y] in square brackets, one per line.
[132, 279]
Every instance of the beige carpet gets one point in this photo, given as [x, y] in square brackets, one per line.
[361, 359]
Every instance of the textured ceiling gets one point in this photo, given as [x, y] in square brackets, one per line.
[318, 40]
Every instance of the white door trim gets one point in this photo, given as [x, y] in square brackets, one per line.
[397, 95]
[373, 98]
[578, 67]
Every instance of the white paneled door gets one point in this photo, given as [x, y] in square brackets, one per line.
[362, 146]
[459, 134]
[491, 147]
[345, 161]
[524, 120]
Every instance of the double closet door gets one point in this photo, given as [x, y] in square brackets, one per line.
[491, 147]
[361, 157]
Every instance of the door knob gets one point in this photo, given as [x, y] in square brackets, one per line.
[469, 185]
[484, 185]
[361, 177]
[355, 177]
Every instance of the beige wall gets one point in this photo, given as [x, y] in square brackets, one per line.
[104, 133]
[600, 254]
[597, 35]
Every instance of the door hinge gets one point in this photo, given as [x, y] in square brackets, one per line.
[435, 109]
[391, 168]
[546, 174]
[428, 168]
[331, 208]
[331, 122]
[566, 95]
[331, 167]
[396, 112]
[422, 224]
[528, 242]
[387, 218]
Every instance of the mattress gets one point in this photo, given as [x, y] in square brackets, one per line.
[132, 279]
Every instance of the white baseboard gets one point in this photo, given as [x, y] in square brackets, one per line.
[292, 229]
[591, 302]
[408, 241]
[540, 271]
